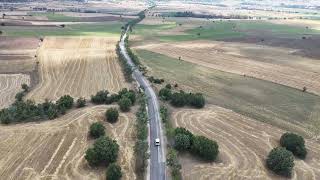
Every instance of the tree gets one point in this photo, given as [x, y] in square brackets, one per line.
[81, 102]
[181, 130]
[182, 142]
[165, 94]
[19, 96]
[65, 102]
[112, 115]
[25, 87]
[173, 162]
[196, 100]
[205, 148]
[129, 94]
[124, 104]
[106, 150]
[280, 161]
[97, 130]
[294, 143]
[168, 86]
[91, 157]
[100, 97]
[178, 99]
[114, 172]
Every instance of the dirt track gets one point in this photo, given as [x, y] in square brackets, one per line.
[10, 85]
[55, 149]
[77, 66]
[282, 68]
[243, 143]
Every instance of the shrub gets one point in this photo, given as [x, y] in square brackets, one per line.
[124, 104]
[182, 142]
[81, 102]
[181, 130]
[280, 161]
[100, 98]
[168, 86]
[97, 130]
[165, 94]
[19, 96]
[129, 94]
[196, 100]
[65, 102]
[114, 172]
[112, 115]
[25, 87]
[178, 99]
[294, 143]
[205, 148]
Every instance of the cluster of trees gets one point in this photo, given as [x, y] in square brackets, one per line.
[104, 152]
[28, 110]
[201, 146]
[207, 16]
[125, 98]
[281, 159]
[155, 80]
[173, 163]
[126, 68]
[180, 99]
[141, 144]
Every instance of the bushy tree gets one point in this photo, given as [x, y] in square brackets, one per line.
[165, 94]
[181, 130]
[19, 96]
[294, 143]
[114, 172]
[97, 130]
[280, 161]
[25, 87]
[173, 163]
[204, 148]
[100, 98]
[182, 142]
[196, 100]
[168, 86]
[178, 99]
[124, 104]
[81, 102]
[112, 115]
[104, 151]
[130, 94]
[65, 102]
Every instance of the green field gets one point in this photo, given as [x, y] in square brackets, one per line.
[55, 16]
[262, 100]
[219, 30]
[94, 29]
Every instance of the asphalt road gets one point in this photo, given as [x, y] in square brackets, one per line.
[157, 166]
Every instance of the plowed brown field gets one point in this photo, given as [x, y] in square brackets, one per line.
[243, 144]
[77, 66]
[272, 64]
[10, 85]
[55, 149]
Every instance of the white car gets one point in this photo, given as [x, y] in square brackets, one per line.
[157, 142]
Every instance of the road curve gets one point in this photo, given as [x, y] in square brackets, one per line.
[157, 153]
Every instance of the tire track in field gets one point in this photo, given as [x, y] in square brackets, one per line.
[243, 144]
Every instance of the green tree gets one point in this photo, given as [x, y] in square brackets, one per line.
[294, 143]
[112, 115]
[205, 148]
[25, 87]
[280, 161]
[165, 94]
[106, 150]
[196, 100]
[65, 102]
[100, 98]
[173, 163]
[114, 172]
[97, 130]
[81, 102]
[178, 99]
[130, 94]
[182, 142]
[19, 96]
[181, 130]
[124, 104]
[91, 157]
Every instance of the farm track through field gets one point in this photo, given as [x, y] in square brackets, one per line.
[213, 56]
[243, 144]
[77, 66]
[10, 85]
[55, 149]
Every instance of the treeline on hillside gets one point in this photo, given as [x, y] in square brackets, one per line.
[207, 16]
[24, 111]
[181, 98]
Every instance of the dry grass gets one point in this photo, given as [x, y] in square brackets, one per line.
[56, 149]
[278, 65]
[77, 66]
[243, 144]
[10, 85]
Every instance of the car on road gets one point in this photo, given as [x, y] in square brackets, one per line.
[157, 142]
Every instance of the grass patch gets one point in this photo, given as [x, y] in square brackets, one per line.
[55, 16]
[96, 29]
[258, 99]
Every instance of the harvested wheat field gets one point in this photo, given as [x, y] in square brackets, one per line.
[55, 149]
[243, 145]
[78, 66]
[272, 64]
[10, 85]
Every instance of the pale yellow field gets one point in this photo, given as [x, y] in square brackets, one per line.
[10, 85]
[243, 144]
[78, 66]
[55, 149]
[278, 65]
